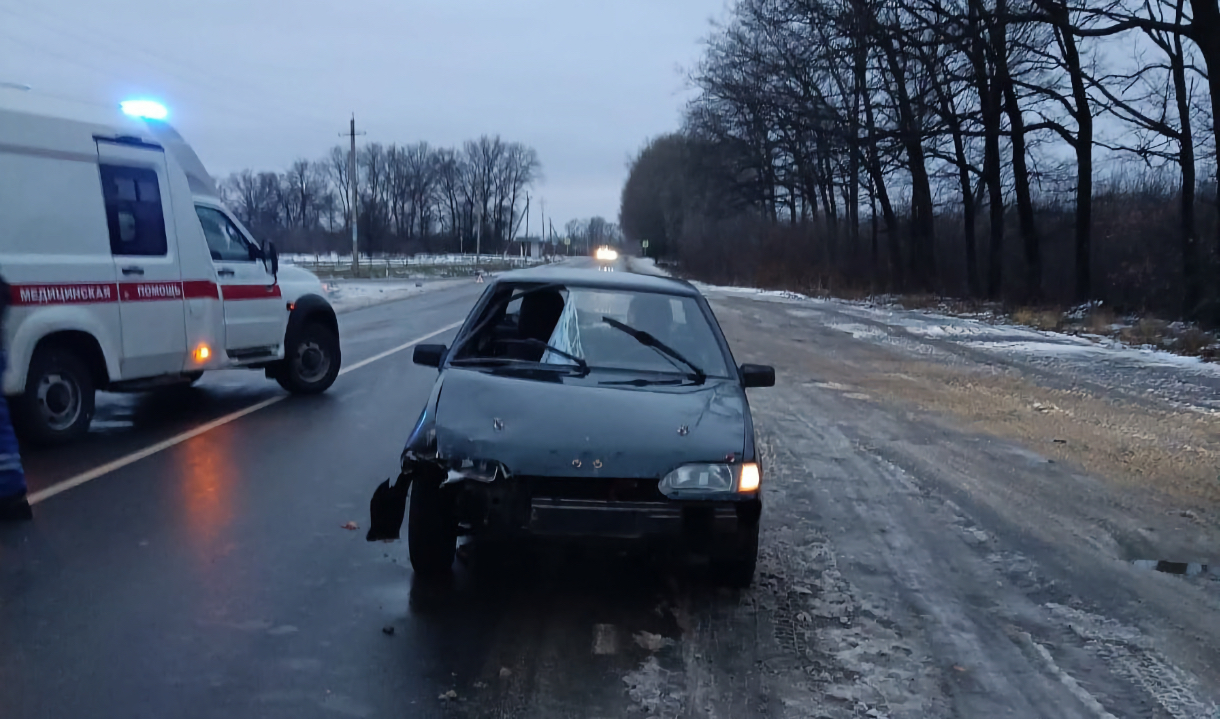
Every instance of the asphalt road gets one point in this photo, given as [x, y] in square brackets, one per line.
[912, 565]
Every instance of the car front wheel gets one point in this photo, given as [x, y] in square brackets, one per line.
[311, 360]
[431, 531]
[58, 403]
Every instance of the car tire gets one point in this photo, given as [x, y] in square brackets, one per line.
[59, 399]
[431, 532]
[311, 360]
[736, 567]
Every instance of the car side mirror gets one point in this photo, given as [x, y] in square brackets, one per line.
[757, 375]
[272, 257]
[429, 355]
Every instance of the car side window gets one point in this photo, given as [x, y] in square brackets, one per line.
[225, 241]
[133, 211]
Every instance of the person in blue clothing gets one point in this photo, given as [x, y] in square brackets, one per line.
[13, 503]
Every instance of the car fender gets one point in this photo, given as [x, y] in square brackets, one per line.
[44, 321]
[296, 282]
[421, 444]
[310, 308]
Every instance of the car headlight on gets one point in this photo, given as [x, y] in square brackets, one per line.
[703, 479]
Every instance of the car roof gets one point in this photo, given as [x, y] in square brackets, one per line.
[601, 280]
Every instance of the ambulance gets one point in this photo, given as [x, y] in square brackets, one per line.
[128, 273]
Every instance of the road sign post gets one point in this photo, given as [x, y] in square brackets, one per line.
[644, 245]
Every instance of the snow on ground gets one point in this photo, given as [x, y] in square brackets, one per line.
[1184, 382]
[994, 336]
[348, 295]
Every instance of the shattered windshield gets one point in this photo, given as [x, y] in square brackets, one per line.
[564, 326]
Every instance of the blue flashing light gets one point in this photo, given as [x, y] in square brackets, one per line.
[146, 109]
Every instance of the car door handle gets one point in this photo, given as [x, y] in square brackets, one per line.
[133, 270]
[225, 272]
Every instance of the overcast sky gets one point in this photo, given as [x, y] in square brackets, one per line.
[258, 83]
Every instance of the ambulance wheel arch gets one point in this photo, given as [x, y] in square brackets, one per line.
[55, 400]
[312, 354]
[66, 325]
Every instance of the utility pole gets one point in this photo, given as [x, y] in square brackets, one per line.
[351, 184]
[478, 237]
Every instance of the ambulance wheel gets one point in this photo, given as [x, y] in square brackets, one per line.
[311, 360]
[58, 403]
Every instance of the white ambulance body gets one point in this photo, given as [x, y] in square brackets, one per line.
[128, 272]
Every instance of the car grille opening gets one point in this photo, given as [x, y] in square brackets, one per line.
[604, 489]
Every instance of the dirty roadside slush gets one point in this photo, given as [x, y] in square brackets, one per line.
[920, 558]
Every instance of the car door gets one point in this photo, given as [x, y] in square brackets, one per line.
[255, 315]
[135, 191]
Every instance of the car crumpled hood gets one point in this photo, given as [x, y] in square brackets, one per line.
[546, 428]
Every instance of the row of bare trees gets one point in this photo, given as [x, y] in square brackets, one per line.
[965, 146]
[410, 198]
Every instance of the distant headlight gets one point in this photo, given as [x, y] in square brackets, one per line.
[606, 254]
[702, 479]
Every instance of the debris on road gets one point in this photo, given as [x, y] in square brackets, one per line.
[351, 525]
[652, 642]
[388, 630]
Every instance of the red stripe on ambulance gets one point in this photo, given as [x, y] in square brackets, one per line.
[200, 290]
[100, 293]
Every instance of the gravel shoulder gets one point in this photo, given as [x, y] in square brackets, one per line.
[952, 536]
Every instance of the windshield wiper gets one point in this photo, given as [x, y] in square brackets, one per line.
[648, 340]
[489, 360]
[580, 362]
[644, 382]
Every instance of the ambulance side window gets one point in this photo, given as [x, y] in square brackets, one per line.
[133, 211]
[225, 241]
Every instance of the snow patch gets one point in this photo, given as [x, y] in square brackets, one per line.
[349, 295]
[857, 331]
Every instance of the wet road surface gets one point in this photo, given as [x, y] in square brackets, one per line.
[912, 565]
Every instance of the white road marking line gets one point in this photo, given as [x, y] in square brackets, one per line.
[109, 467]
[399, 348]
[92, 474]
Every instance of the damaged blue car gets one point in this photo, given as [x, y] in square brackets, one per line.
[583, 404]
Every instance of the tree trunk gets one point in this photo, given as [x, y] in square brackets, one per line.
[1205, 28]
[969, 212]
[1020, 169]
[989, 100]
[923, 259]
[881, 196]
[1186, 158]
[1084, 156]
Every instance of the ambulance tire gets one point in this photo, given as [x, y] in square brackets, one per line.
[58, 403]
[311, 360]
